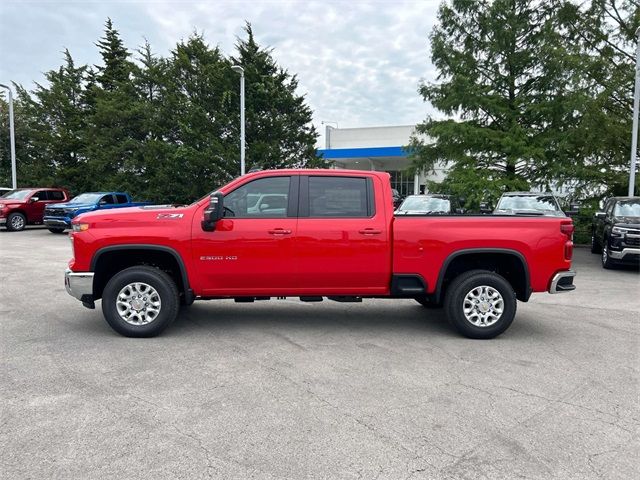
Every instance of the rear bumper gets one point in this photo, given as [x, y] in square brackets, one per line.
[562, 282]
[80, 285]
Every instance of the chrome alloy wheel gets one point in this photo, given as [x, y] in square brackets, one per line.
[483, 306]
[138, 303]
[17, 222]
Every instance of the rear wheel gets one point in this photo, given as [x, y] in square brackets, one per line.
[56, 230]
[140, 301]
[595, 246]
[16, 222]
[480, 304]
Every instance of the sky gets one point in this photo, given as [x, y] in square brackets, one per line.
[359, 63]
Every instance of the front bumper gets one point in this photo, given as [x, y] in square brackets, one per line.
[3, 221]
[626, 254]
[562, 282]
[57, 222]
[80, 286]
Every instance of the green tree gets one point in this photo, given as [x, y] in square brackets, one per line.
[520, 108]
[115, 118]
[279, 132]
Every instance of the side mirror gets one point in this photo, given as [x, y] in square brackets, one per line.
[600, 215]
[214, 212]
[33, 199]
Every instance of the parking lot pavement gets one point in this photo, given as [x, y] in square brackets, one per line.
[283, 389]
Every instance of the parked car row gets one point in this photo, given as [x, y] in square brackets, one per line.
[54, 207]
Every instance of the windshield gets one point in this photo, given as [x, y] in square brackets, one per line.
[426, 204]
[17, 194]
[627, 208]
[87, 198]
[545, 203]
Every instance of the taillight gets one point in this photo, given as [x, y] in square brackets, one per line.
[567, 228]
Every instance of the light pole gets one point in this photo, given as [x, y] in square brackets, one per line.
[634, 133]
[240, 70]
[14, 182]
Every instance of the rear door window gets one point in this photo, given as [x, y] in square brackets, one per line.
[56, 195]
[339, 197]
[121, 198]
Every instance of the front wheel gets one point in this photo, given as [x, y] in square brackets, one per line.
[605, 258]
[140, 301]
[16, 222]
[56, 230]
[480, 304]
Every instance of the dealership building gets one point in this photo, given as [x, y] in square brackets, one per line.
[377, 148]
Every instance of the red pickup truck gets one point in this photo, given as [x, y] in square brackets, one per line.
[25, 206]
[313, 234]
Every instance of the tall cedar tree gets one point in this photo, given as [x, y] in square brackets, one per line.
[512, 84]
[279, 132]
[115, 118]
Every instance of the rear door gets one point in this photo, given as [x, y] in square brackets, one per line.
[343, 242]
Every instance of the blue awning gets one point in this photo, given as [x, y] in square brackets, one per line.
[370, 152]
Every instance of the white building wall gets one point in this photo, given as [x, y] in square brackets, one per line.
[394, 136]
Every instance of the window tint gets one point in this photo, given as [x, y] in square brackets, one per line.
[42, 195]
[107, 199]
[338, 197]
[56, 195]
[121, 198]
[265, 197]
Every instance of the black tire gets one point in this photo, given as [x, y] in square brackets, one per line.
[56, 230]
[424, 301]
[595, 245]
[16, 222]
[605, 258]
[463, 285]
[165, 288]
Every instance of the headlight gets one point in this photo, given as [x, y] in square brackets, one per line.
[80, 227]
[619, 230]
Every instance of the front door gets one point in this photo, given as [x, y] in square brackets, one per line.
[35, 207]
[343, 244]
[250, 252]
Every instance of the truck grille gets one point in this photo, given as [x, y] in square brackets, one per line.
[55, 212]
[632, 241]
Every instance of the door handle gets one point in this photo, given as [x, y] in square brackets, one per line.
[370, 231]
[280, 231]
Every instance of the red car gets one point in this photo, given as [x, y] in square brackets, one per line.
[25, 206]
[328, 233]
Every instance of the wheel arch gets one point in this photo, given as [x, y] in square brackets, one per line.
[107, 261]
[511, 264]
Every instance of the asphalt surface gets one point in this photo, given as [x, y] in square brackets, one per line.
[284, 389]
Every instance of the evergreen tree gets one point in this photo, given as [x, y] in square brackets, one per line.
[115, 118]
[279, 132]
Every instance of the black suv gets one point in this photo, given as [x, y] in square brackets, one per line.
[615, 232]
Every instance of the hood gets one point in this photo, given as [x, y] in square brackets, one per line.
[11, 201]
[137, 217]
[71, 205]
[628, 222]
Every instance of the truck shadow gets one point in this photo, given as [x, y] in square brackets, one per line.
[220, 318]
